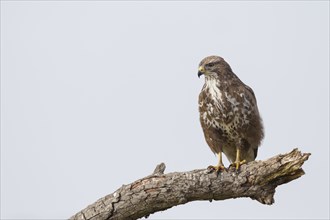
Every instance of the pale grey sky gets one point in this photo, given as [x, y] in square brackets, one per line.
[95, 94]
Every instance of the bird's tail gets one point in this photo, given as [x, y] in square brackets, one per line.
[255, 151]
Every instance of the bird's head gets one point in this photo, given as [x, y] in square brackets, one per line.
[212, 66]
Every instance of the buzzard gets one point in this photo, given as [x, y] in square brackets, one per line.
[229, 114]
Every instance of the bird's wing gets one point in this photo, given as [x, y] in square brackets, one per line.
[250, 91]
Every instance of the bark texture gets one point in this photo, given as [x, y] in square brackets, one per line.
[158, 191]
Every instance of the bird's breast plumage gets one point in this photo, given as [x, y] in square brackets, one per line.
[226, 108]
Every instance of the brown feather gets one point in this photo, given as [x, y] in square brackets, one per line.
[229, 113]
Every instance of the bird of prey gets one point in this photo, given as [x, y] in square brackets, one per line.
[229, 114]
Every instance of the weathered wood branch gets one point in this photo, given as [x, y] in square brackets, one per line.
[156, 192]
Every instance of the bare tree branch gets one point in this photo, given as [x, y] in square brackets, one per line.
[256, 180]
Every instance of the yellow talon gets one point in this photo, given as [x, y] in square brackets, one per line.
[238, 162]
[219, 167]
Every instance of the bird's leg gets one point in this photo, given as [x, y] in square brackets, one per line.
[238, 162]
[219, 167]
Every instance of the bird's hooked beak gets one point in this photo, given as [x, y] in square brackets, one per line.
[201, 71]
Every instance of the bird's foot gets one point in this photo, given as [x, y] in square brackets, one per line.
[237, 164]
[217, 168]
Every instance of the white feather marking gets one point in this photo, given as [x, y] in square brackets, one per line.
[232, 100]
[204, 115]
[216, 95]
[246, 102]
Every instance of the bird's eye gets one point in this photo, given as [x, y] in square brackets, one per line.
[210, 64]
